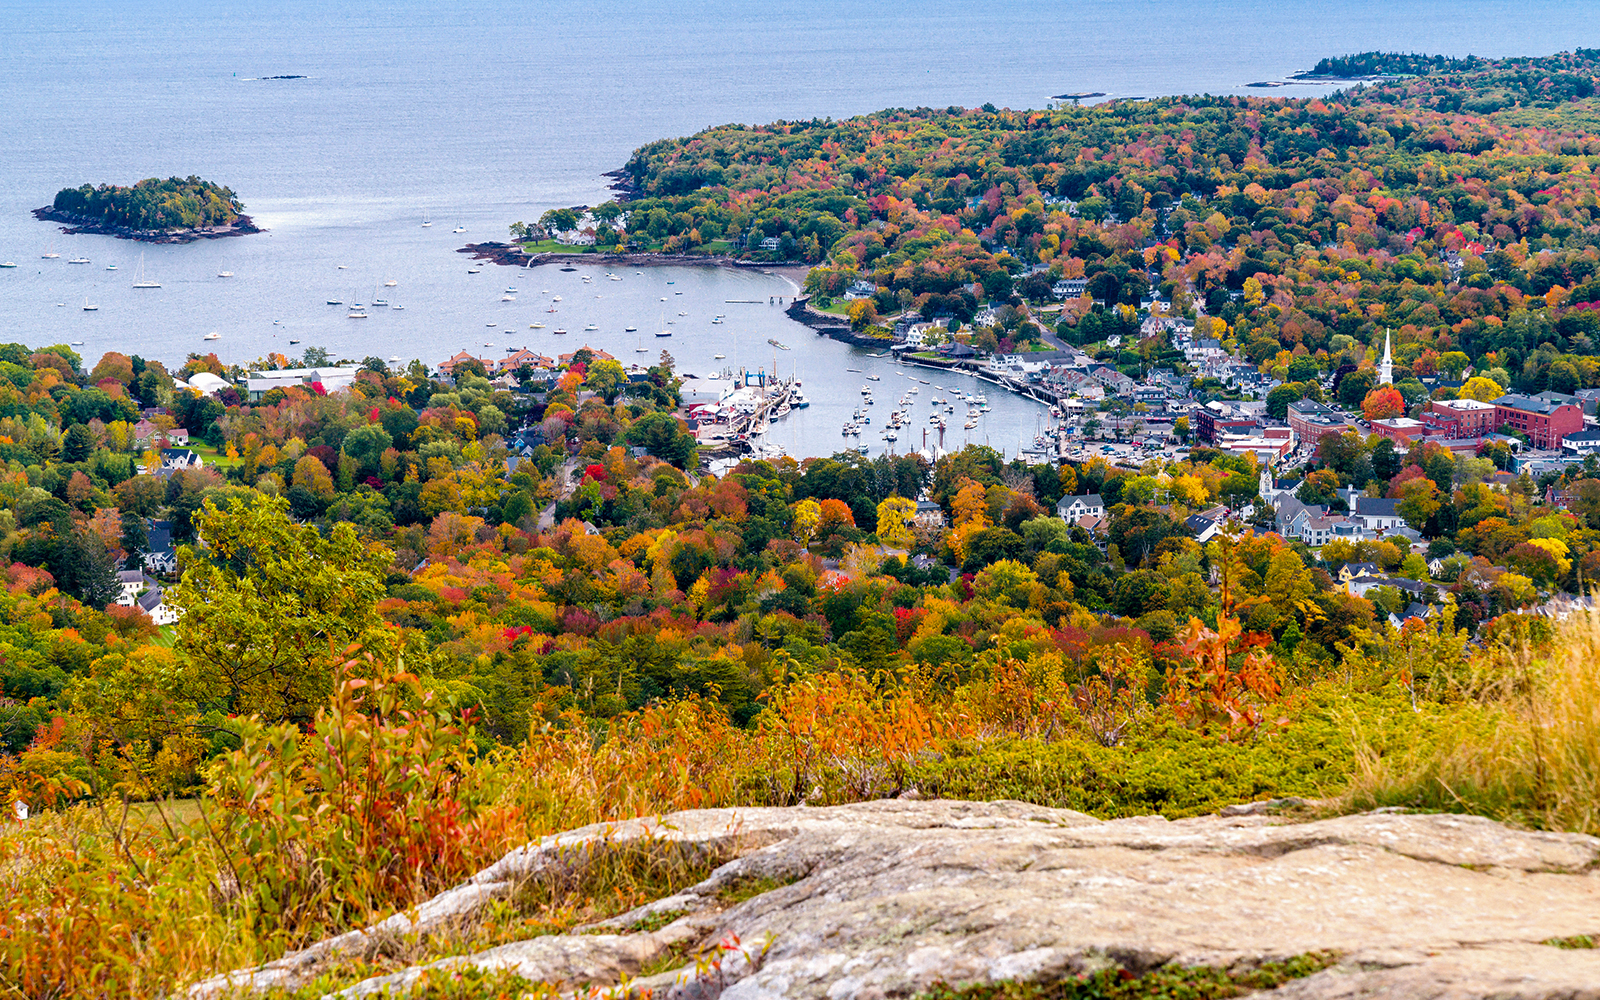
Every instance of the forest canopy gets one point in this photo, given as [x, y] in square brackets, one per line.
[174, 203]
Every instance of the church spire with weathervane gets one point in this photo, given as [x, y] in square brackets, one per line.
[1386, 370]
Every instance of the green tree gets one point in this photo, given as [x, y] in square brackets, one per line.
[660, 435]
[269, 608]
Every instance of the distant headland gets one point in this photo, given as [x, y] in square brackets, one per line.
[175, 210]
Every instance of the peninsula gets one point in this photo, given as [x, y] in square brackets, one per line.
[175, 210]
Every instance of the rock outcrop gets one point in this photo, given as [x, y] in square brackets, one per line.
[885, 899]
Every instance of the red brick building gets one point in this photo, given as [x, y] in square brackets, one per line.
[1545, 421]
[1400, 430]
[1459, 418]
[1311, 420]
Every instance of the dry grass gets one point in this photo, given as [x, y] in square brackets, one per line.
[1520, 741]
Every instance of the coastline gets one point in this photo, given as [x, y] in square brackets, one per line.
[511, 255]
[829, 326]
[76, 224]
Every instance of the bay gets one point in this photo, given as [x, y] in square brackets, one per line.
[480, 115]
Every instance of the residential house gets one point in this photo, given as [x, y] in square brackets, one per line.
[1580, 443]
[1377, 513]
[129, 583]
[1203, 528]
[154, 604]
[160, 555]
[928, 515]
[1074, 507]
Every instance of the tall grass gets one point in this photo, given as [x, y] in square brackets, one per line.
[1519, 740]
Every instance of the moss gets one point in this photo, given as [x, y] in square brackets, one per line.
[1166, 983]
[1577, 941]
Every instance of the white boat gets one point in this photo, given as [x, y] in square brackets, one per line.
[459, 228]
[49, 255]
[875, 378]
[799, 400]
[508, 298]
[394, 358]
[558, 332]
[78, 260]
[390, 283]
[9, 264]
[630, 329]
[716, 320]
[213, 335]
[592, 326]
[397, 307]
[224, 274]
[356, 312]
[336, 302]
[719, 357]
[76, 343]
[88, 306]
[489, 324]
[511, 291]
[344, 267]
[555, 298]
[140, 281]
[536, 326]
[474, 270]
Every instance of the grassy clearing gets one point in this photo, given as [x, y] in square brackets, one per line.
[1523, 747]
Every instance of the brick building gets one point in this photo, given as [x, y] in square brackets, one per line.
[1545, 421]
[1311, 420]
[1459, 418]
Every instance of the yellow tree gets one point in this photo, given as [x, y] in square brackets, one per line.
[807, 517]
[1484, 390]
[894, 522]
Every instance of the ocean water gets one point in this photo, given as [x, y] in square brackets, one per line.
[479, 115]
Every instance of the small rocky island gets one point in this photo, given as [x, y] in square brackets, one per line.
[175, 210]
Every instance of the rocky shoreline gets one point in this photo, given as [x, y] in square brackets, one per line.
[829, 326]
[76, 224]
[512, 255]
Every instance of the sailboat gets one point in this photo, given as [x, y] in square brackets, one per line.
[427, 223]
[378, 303]
[140, 281]
[89, 307]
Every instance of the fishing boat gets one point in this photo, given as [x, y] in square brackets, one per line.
[88, 306]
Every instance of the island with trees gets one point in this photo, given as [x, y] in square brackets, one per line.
[174, 210]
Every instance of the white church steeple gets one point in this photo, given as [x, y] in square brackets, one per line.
[1386, 369]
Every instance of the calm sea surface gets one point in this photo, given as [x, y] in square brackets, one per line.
[481, 114]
